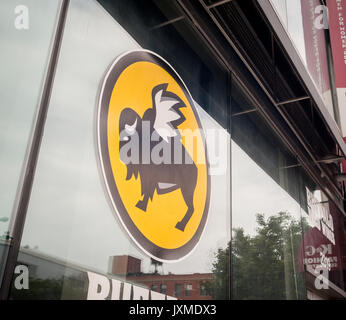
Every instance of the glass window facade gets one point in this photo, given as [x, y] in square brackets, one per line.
[178, 290]
[288, 227]
[163, 288]
[188, 290]
[81, 227]
[21, 81]
[270, 232]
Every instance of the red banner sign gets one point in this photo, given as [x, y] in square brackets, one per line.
[337, 27]
[315, 46]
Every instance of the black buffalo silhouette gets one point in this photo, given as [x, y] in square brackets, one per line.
[161, 121]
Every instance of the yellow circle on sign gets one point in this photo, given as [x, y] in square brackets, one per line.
[133, 89]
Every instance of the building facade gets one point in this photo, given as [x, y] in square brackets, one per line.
[173, 149]
[181, 286]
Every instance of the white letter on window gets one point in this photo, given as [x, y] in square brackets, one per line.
[22, 19]
[321, 22]
[99, 287]
[22, 281]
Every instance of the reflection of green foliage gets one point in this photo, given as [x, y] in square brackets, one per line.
[264, 266]
[50, 289]
[47, 289]
[74, 289]
[219, 287]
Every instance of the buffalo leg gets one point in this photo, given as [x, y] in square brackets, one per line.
[142, 204]
[182, 224]
[189, 202]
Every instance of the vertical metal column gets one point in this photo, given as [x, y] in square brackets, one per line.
[229, 116]
[33, 153]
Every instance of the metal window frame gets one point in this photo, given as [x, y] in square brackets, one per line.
[19, 215]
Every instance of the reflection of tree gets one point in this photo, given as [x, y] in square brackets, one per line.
[264, 266]
[218, 288]
[51, 289]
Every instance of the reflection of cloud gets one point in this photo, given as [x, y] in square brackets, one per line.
[68, 215]
[290, 15]
[255, 192]
[295, 27]
[23, 57]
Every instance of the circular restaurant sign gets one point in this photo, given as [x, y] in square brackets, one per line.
[157, 180]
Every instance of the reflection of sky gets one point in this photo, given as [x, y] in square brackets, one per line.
[255, 192]
[69, 215]
[290, 14]
[23, 55]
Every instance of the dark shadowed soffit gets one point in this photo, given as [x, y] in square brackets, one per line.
[286, 42]
[253, 45]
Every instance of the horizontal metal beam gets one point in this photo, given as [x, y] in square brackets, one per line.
[292, 100]
[216, 4]
[340, 177]
[166, 23]
[325, 160]
[244, 112]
